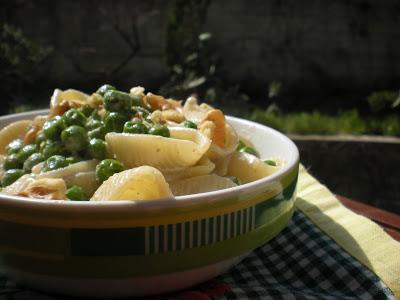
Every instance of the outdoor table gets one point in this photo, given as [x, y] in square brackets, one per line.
[326, 252]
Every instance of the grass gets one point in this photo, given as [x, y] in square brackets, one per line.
[346, 122]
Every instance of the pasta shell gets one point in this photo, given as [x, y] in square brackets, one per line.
[248, 167]
[142, 183]
[194, 112]
[183, 149]
[86, 180]
[68, 173]
[232, 140]
[203, 167]
[13, 131]
[19, 185]
[200, 184]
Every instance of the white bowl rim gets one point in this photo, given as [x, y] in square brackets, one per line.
[187, 200]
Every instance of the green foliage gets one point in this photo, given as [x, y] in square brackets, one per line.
[194, 61]
[20, 58]
[385, 100]
[347, 122]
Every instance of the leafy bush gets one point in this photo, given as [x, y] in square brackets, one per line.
[347, 122]
[381, 101]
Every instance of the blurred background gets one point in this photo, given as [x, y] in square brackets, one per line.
[325, 72]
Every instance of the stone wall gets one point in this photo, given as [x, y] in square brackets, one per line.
[315, 48]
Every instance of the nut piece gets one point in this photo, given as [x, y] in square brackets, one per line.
[217, 117]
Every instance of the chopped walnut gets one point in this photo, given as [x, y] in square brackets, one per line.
[173, 115]
[156, 102]
[157, 117]
[95, 101]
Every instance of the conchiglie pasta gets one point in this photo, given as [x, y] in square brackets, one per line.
[13, 131]
[203, 167]
[231, 141]
[70, 172]
[248, 167]
[142, 183]
[183, 149]
[200, 184]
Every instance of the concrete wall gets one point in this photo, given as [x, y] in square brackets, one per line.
[314, 47]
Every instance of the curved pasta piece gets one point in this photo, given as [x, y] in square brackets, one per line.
[248, 167]
[86, 180]
[203, 167]
[61, 101]
[19, 185]
[231, 141]
[194, 112]
[13, 131]
[68, 173]
[221, 165]
[142, 183]
[183, 149]
[200, 184]
[45, 188]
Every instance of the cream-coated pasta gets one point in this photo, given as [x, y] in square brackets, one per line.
[112, 145]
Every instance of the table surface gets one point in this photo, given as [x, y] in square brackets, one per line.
[390, 222]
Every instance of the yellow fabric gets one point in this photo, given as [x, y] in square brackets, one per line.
[359, 236]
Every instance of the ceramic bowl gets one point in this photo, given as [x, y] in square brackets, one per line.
[137, 248]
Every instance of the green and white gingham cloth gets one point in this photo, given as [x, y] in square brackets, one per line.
[302, 262]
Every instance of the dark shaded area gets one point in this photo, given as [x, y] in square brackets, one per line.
[325, 55]
[366, 171]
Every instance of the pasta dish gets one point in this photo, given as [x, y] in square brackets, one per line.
[113, 145]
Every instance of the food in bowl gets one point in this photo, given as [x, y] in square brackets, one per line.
[113, 145]
[134, 247]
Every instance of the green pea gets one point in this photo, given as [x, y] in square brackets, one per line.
[107, 168]
[74, 117]
[114, 122]
[32, 161]
[55, 162]
[12, 161]
[235, 180]
[98, 133]
[117, 101]
[249, 150]
[240, 145]
[104, 88]
[76, 193]
[14, 146]
[40, 138]
[53, 128]
[11, 176]
[27, 151]
[135, 127]
[95, 115]
[50, 148]
[93, 123]
[189, 124]
[72, 160]
[270, 162]
[74, 138]
[159, 129]
[87, 110]
[97, 149]
[141, 111]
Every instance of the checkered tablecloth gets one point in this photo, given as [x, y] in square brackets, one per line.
[300, 263]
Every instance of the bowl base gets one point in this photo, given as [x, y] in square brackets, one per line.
[120, 288]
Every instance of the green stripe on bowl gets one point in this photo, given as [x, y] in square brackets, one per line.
[113, 267]
[58, 242]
